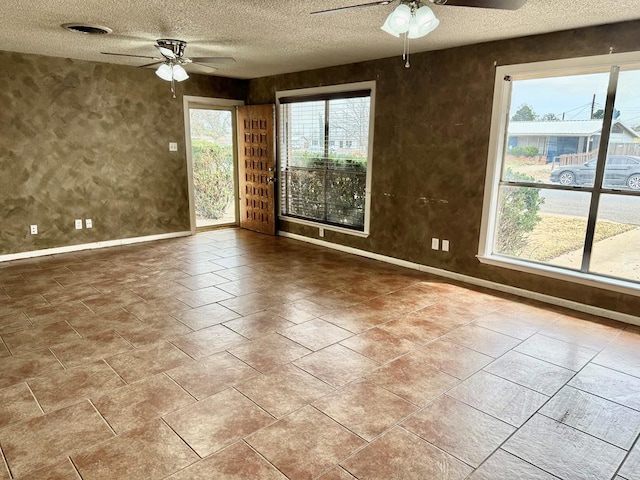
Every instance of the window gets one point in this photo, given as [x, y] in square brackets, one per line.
[321, 181]
[563, 179]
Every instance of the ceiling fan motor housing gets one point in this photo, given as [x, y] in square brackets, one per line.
[176, 46]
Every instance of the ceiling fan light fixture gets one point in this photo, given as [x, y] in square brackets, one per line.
[400, 18]
[386, 27]
[165, 72]
[422, 23]
[179, 73]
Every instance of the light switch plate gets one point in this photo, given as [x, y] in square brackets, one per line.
[445, 245]
[88, 223]
[435, 244]
[78, 224]
[173, 147]
[34, 229]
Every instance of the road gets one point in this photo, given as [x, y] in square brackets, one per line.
[614, 208]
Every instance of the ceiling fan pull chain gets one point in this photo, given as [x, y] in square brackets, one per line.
[405, 55]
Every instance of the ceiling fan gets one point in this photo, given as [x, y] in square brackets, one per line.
[415, 19]
[172, 61]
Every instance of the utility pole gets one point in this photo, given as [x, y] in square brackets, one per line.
[593, 104]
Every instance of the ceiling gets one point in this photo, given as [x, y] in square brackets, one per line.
[269, 37]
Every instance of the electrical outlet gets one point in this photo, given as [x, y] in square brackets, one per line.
[88, 223]
[34, 229]
[435, 244]
[173, 147]
[321, 231]
[445, 245]
[78, 224]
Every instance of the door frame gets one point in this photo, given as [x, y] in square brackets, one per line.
[190, 101]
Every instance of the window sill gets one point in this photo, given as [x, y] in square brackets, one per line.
[589, 279]
[332, 228]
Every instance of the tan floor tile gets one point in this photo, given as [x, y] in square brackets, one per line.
[336, 365]
[337, 473]
[147, 361]
[294, 313]
[284, 390]
[62, 471]
[208, 341]
[106, 322]
[205, 316]
[357, 318]
[157, 308]
[3, 350]
[112, 301]
[71, 386]
[212, 374]
[365, 409]
[78, 293]
[413, 379]
[218, 421]
[530, 372]
[237, 462]
[555, 351]
[482, 340]
[202, 281]
[415, 329]
[596, 416]
[258, 324]
[153, 330]
[604, 382]
[42, 336]
[454, 359]
[56, 313]
[17, 404]
[204, 296]
[151, 452]
[315, 334]
[512, 324]
[250, 303]
[15, 369]
[504, 466]
[49, 439]
[445, 315]
[504, 400]
[269, 352]
[591, 334]
[130, 407]
[624, 358]
[379, 345]
[400, 454]
[305, 443]
[154, 290]
[564, 451]
[91, 348]
[244, 286]
[631, 467]
[458, 429]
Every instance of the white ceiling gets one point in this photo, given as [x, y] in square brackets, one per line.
[269, 37]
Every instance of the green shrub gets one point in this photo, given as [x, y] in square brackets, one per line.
[524, 151]
[212, 178]
[517, 215]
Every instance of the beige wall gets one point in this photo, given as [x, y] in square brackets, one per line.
[431, 141]
[90, 140]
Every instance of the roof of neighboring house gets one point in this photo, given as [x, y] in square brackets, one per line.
[571, 128]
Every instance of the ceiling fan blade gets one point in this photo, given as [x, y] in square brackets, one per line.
[498, 4]
[127, 55]
[151, 64]
[166, 52]
[350, 7]
[216, 60]
[203, 65]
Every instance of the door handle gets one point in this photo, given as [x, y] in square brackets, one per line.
[271, 180]
[270, 169]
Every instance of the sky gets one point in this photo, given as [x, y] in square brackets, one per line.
[573, 95]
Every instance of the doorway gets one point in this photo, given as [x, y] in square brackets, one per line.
[210, 126]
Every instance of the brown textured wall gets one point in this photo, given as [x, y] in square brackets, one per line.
[90, 140]
[431, 141]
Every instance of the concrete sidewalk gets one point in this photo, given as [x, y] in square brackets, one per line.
[618, 256]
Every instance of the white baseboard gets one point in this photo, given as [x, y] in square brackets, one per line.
[91, 246]
[580, 307]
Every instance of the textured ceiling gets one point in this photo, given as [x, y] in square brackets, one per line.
[274, 36]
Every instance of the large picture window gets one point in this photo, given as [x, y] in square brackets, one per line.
[324, 156]
[563, 179]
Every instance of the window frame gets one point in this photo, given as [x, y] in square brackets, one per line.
[331, 89]
[498, 143]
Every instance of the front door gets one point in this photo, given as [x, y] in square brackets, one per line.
[257, 167]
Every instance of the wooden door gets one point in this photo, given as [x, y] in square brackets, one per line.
[257, 168]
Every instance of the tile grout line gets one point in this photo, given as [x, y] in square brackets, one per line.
[34, 397]
[73, 465]
[5, 462]
[102, 417]
[166, 374]
[183, 440]
[635, 444]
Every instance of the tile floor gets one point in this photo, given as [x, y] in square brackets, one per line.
[233, 355]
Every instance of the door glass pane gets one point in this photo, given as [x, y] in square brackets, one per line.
[622, 170]
[213, 166]
[616, 247]
[542, 225]
[554, 129]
